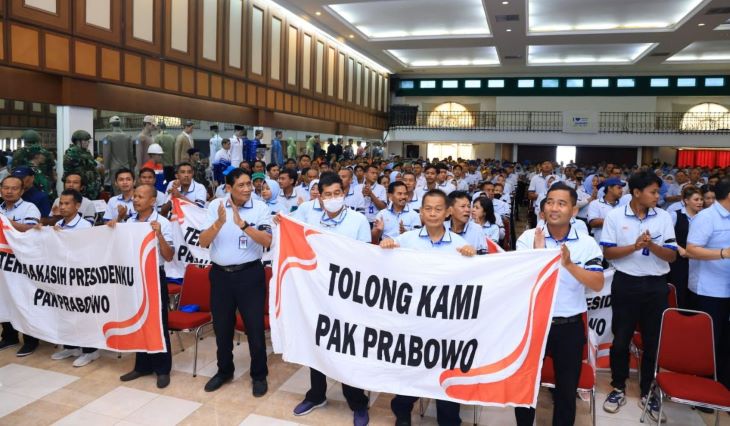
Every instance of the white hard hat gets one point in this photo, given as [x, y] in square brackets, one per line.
[155, 149]
[150, 119]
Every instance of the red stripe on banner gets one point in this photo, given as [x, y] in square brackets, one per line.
[148, 336]
[518, 388]
[294, 250]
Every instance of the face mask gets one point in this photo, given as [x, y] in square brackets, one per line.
[333, 205]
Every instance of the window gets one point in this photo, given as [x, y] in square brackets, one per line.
[495, 84]
[599, 82]
[625, 82]
[450, 84]
[705, 117]
[450, 114]
[525, 84]
[472, 84]
[427, 84]
[574, 83]
[406, 84]
[550, 83]
[659, 82]
[714, 82]
[686, 82]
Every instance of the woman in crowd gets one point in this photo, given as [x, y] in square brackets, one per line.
[679, 269]
[270, 195]
[708, 195]
[482, 213]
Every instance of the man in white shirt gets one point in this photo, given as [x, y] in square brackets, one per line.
[237, 145]
[460, 182]
[302, 190]
[581, 268]
[598, 209]
[414, 196]
[460, 222]
[221, 161]
[185, 187]
[120, 207]
[639, 240]
[288, 196]
[442, 179]
[398, 217]
[373, 193]
[418, 172]
[353, 197]
[72, 181]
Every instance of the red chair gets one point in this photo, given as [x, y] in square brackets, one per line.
[637, 344]
[686, 357]
[586, 381]
[507, 241]
[195, 291]
[240, 326]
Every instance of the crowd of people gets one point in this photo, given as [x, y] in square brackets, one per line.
[654, 224]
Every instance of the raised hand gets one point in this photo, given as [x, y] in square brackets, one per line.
[379, 224]
[565, 256]
[539, 239]
[121, 212]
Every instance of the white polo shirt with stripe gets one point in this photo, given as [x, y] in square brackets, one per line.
[391, 221]
[22, 212]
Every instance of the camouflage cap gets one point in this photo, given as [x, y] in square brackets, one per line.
[80, 135]
[31, 136]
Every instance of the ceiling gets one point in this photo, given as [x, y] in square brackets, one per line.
[530, 37]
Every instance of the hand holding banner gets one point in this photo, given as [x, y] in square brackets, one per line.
[469, 330]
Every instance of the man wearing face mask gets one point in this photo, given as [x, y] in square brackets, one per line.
[333, 216]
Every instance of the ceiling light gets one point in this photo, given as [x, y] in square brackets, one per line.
[509, 30]
[352, 36]
[318, 13]
[701, 24]
[424, 63]
[505, 2]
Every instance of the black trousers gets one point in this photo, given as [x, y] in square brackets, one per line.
[245, 291]
[565, 344]
[719, 309]
[317, 393]
[159, 363]
[447, 412]
[10, 333]
[636, 300]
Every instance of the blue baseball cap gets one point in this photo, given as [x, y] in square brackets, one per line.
[228, 170]
[23, 171]
[614, 182]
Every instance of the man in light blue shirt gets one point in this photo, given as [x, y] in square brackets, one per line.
[708, 246]
[433, 236]
[397, 218]
[237, 230]
[120, 207]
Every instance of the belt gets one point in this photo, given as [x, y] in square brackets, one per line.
[237, 268]
[567, 320]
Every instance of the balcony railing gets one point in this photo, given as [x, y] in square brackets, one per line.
[552, 121]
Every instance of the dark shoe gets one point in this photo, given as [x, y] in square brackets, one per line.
[27, 349]
[260, 387]
[4, 344]
[133, 375]
[361, 418]
[403, 422]
[163, 380]
[216, 382]
[305, 407]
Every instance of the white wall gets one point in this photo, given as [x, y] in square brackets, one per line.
[577, 103]
[486, 103]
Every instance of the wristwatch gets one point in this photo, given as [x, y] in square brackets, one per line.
[245, 225]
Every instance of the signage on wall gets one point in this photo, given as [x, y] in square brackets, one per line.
[580, 122]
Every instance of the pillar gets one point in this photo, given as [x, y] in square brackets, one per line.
[68, 120]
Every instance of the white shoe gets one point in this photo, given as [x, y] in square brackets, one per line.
[66, 353]
[86, 359]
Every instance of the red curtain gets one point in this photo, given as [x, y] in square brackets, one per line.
[703, 158]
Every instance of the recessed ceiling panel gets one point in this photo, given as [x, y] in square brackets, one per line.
[550, 16]
[724, 26]
[586, 54]
[447, 57]
[414, 18]
[705, 51]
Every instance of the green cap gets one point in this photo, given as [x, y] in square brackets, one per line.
[258, 175]
[80, 135]
[31, 136]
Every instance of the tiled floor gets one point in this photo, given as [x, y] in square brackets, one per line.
[38, 391]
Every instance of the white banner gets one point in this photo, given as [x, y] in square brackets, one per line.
[97, 287]
[600, 314]
[188, 221]
[428, 324]
[580, 122]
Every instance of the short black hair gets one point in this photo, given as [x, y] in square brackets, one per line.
[12, 177]
[441, 166]
[121, 172]
[485, 183]
[183, 164]
[327, 179]
[542, 204]
[304, 155]
[67, 174]
[561, 186]
[271, 166]
[435, 193]
[457, 195]
[359, 167]
[394, 185]
[74, 193]
[146, 170]
[722, 189]
[234, 174]
[289, 172]
[371, 166]
[428, 167]
[643, 179]
[263, 163]
[225, 140]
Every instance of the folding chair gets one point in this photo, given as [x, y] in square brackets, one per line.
[586, 381]
[195, 291]
[686, 357]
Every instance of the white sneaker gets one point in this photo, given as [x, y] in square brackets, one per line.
[86, 359]
[66, 353]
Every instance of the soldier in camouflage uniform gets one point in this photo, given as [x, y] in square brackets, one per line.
[40, 160]
[78, 159]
